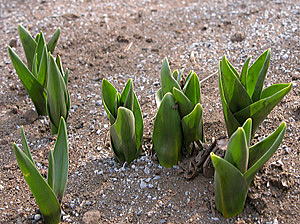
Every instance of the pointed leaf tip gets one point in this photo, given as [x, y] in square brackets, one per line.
[61, 160]
[237, 150]
[166, 78]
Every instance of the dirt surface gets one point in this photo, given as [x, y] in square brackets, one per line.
[118, 40]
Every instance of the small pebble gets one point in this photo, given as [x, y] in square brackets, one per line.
[143, 185]
[37, 217]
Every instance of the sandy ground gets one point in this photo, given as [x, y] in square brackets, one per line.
[118, 40]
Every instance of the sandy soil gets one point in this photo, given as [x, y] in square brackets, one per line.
[118, 40]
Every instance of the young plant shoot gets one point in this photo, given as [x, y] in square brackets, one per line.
[58, 98]
[125, 116]
[178, 122]
[34, 75]
[47, 193]
[243, 95]
[234, 173]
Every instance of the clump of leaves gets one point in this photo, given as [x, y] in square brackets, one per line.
[34, 75]
[178, 122]
[125, 116]
[243, 95]
[49, 192]
[58, 97]
[235, 172]
[44, 77]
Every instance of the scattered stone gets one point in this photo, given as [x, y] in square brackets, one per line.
[156, 84]
[285, 56]
[237, 37]
[240, 221]
[149, 40]
[92, 217]
[156, 178]
[162, 221]
[98, 103]
[37, 217]
[79, 126]
[30, 116]
[14, 110]
[13, 43]
[66, 218]
[148, 180]
[143, 184]
[122, 39]
[147, 170]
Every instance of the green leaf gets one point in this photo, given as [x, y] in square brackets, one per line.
[237, 152]
[139, 125]
[53, 41]
[61, 160]
[28, 44]
[192, 126]
[232, 68]
[273, 89]
[123, 136]
[37, 37]
[231, 123]
[166, 78]
[235, 93]
[184, 104]
[51, 170]
[109, 95]
[119, 155]
[158, 97]
[42, 57]
[43, 194]
[59, 65]
[259, 110]
[127, 99]
[167, 133]
[257, 74]
[192, 89]
[33, 87]
[25, 146]
[57, 95]
[261, 152]
[40, 48]
[65, 76]
[175, 75]
[42, 70]
[247, 126]
[34, 68]
[230, 187]
[244, 73]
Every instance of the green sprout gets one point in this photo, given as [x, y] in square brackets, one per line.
[44, 77]
[178, 122]
[47, 193]
[243, 95]
[58, 97]
[234, 173]
[125, 116]
[34, 75]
